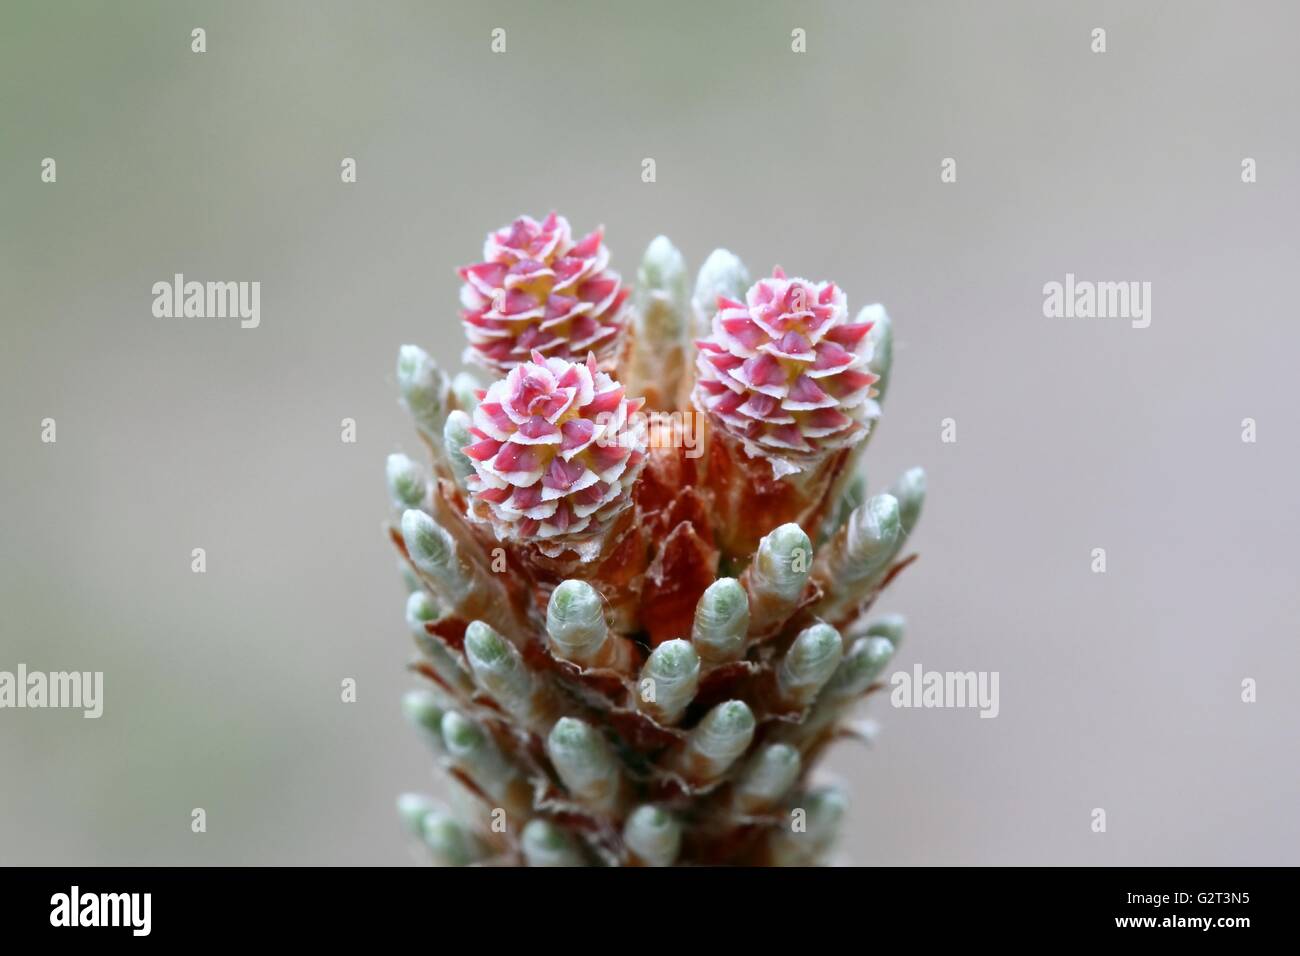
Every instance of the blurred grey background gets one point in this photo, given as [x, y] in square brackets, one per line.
[1118, 690]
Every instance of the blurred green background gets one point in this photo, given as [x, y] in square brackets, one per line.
[222, 689]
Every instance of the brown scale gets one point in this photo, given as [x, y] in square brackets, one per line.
[750, 501]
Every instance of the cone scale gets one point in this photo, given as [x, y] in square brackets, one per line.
[641, 561]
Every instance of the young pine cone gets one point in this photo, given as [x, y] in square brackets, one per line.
[539, 291]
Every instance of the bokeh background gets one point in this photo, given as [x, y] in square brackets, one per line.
[1118, 690]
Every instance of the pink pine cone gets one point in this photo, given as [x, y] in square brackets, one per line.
[537, 290]
[559, 448]
[783, 373]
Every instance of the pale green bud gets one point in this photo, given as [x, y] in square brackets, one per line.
[575, 622]
[909, 489]
[422, 708]
[721, 621]
[866, 659]
[782, 563]
[464, 737]
[455, 436]
[721, 737]
[653, 835]
[452, 843]
[465, 387]
[809, 663]
[422, 385]
[826, 804]
[420, 609]
[661, 293]
[669, 679]
[722, 274]
[813, 827]
[407, 483]
[767, 777]
[890, 626]
[545, 844]
[881, 340]
[412, 808]
[433, 550]
[875, 533]
[430, 547]
[855, 492]
[499, 669]
[474, 750]
[585, 762]
[662, 269]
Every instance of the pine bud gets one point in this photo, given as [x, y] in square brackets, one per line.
[575, 623]
[721, 621]
[804, 845]
[452, 844]
[412, 808]
[433, 552]
[909, 489]
[722, 274]
[809, 663]
[781, 566]
[866, 658]
[890, 626]
[545, 844]
[661, 287]
[668, 681]
[874, 535]
[472, 748]
[465, 389]
[855, 492]
[420, 609]
[407, 482]
[423, 387]
[585, 763]
[422, 708]
[713, 746]
[658, 363]
[880, 341]
[430, 547]
[499, 669]
[767, 778]
[653, 835]
[858, 557]
[410, 579]
[455, 437]
[777, 576]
